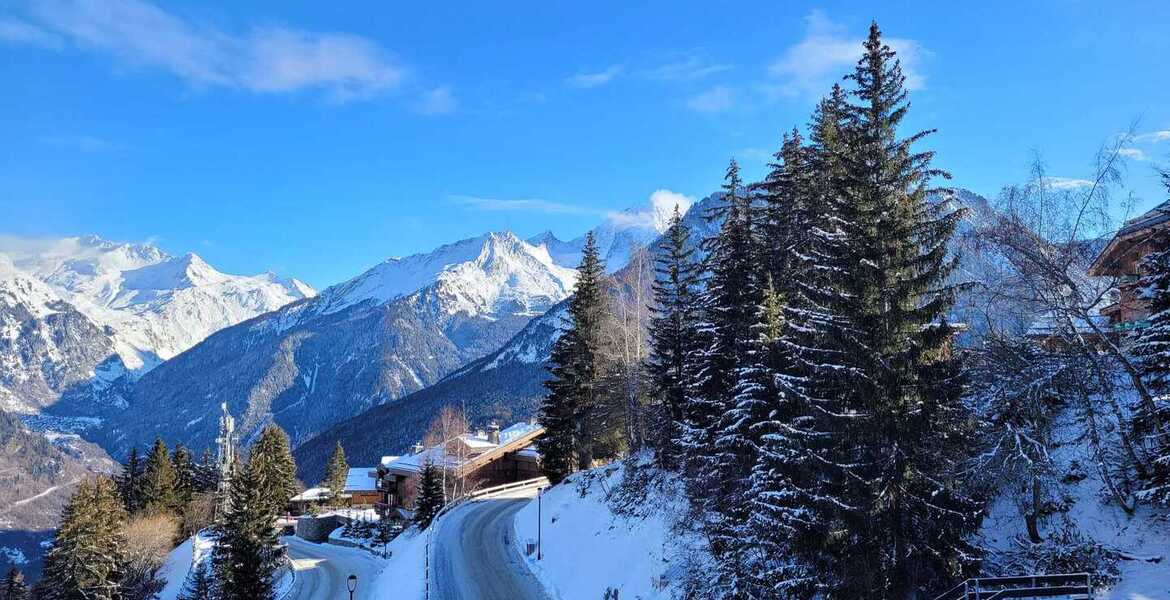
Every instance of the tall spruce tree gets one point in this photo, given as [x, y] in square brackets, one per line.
[14, 587]
[185, 474]
[248, 551]
[336, 472]
[159, 482]
[673, 331]
[892, 412]
[200, 584]
[574, 413]
[129, 482]
[1152, 349]
[431, 496]
[85, 560]
[275, 469]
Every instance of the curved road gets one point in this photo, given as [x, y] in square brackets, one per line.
[474, 557]
[322, 570]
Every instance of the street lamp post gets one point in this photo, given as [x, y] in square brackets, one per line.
[351, 583]
[539, 518]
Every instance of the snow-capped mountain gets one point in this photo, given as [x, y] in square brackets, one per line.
[156, 305]
[396, 328]
[621, 233]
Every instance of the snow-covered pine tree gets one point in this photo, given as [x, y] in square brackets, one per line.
[336, 473]
[276, 471]
[200, 585]
[248, 551]
[14, 587]
[673, 336]
[85, 560]
[1152, 349]
[431, 496]
[573, 413]
[900, 428]
[729, 313]
[206, 474]
[159, 481]
[129, 482]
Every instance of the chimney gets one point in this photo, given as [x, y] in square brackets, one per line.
[417, 449]
[494, 433]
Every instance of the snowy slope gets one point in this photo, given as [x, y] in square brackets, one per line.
[156, 305]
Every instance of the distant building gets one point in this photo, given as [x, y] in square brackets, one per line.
[1121, 259]
[481, 459]
[361, 486]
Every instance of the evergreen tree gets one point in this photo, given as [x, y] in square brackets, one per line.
[14, 586]
[85, 560]
[574, 413]
[200, 585]
[248, 551]
[159, 483]
[889, 424]
[206, 474]
[1152, 349]
[431, 497]
[129, 482]
[336, 472]
[275, 469]
[673, 331]
[185, 474]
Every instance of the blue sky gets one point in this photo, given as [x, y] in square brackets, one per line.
[317, 139]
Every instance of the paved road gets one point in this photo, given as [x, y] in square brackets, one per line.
[473, 557]
[321, 570]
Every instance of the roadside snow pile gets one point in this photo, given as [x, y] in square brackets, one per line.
[617, 527]
[403, 575]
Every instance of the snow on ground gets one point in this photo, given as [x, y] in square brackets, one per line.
[589, 545]
[1144, 537]
[179, 562]
[403, 576]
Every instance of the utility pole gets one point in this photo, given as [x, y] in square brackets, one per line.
[226, 460]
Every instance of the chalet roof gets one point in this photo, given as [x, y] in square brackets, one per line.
[438, 455]
[1107, 261]
[361, 479]
[1155, 216]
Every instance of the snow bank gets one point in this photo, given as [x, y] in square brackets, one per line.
[589, 545]
[180, 561]
[403, 576]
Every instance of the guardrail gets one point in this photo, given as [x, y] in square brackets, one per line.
[1078, 585]
[536, 482]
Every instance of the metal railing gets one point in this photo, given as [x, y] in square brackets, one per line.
[536, 482]
[1079, 585]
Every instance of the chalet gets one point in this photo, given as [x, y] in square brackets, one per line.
[361, 486]
[1121, 259]
[477, 459]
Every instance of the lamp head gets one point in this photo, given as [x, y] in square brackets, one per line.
[351, 582]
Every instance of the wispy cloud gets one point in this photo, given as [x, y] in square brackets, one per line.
[261, 60]
[596, 79]
[1134, 153]
[691, 67]
[1067, 183]
[827, 52]
[1153, 137]
[439, 101]
[15, 31]
[536, 205]
[716, 99]
[84, 143]
[654, 216]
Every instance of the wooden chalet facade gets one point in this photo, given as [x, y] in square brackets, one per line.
[1121, 259]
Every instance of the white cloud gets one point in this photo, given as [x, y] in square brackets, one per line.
[262, 60]
[592, 80]
[827, 52]
[439, 101]
[658, 213]
[716, 99]
[523, 204]
[84, 143]
[1067, 183]
[688, 68]
[1133, 153]
[15, 31]
[1153, 137]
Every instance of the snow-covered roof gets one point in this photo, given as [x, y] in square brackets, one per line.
[1050, 323]
[516, 431]
[313, 494]
[361, 479]
[438, 455]
[386, 460]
